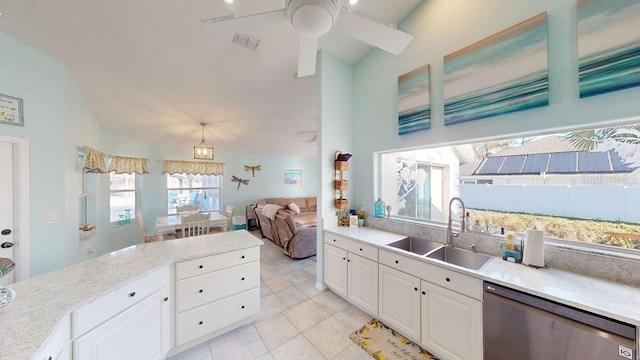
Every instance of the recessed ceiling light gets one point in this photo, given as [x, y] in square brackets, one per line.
[353, 2]
[231, 1]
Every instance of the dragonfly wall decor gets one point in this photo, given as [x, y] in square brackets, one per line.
[239, 181]
[253, 169]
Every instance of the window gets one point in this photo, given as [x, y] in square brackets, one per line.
[122, 197]
[188, 189]
[578, 186]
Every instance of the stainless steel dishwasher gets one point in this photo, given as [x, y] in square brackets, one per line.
[519, 326]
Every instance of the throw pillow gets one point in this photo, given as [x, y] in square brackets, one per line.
[294, 208]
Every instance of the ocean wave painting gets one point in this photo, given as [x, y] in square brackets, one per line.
[504, 73]
[414, 103]
[608, 46]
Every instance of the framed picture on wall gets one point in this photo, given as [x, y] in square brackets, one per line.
[292, 178]
[11, 110]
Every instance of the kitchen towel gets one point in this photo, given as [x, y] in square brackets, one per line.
[534, 248]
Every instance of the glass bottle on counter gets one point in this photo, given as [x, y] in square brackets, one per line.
[379, 208]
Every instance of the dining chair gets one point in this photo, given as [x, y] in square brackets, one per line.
[150, 237]
[194, 225]
[187, 209]
[228, 213]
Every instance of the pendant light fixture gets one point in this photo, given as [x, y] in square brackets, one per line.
[203, 151]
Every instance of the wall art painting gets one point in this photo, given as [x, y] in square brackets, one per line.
[414, 101]
[504, 73]
[608, 45]
[11, 111]
[292, 178]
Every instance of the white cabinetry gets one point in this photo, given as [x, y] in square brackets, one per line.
[451, 323]
[400, 301]
[351, 271]
[59, 345]
[132, 322]
[216, 292]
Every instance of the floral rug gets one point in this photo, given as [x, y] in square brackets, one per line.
[383, 343]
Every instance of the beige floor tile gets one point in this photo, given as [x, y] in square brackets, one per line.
[276, 330]
[311, 269]
[309, 287]
[330, 302]
[264, 289]
[306, 314]
[266, 356]
[291, 296]
[353, 352]
[200, 352]
[270, 305]
[352, 317]
[298, 348]
[242, 343]
[329, 337]
[270, 271]
[298, 275]
[278, 283]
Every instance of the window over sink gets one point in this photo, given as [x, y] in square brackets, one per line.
[581, 186]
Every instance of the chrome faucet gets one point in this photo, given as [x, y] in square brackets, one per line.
[450, 232]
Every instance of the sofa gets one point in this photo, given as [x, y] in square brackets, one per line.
[290, 223]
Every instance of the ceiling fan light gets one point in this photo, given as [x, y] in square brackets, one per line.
[231, 1]
[351, 2]
[312, 18]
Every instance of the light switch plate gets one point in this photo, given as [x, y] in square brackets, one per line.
[50, 218]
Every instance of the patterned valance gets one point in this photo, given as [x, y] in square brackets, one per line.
[93, 161]
[192, 167]
[128, 165]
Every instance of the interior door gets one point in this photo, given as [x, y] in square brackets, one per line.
[6, 207]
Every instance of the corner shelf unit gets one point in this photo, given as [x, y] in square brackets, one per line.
[339, 183]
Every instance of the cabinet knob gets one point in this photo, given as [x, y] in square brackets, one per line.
[360, 249]
[397, 262]
[166, 299]
[200, 267]
[334, 240]
[201, 322]
[415, 289]
[132, 294]
[242, 257]
[424, 293]
[447, 279]
[49, 358]
[200, 291]
[349, 260]
[242, 307]
[242, 279]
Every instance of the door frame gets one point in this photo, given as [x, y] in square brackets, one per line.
[21, 221]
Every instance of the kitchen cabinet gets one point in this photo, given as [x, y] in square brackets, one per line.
[400, 301]
[451, 323]
[59, 345]
[141, 332]
[351, 271]
[216, 293]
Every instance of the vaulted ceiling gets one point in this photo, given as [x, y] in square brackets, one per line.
[151, 71]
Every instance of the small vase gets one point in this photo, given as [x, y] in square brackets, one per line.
[379, 208]
[360, 222]
[388, 210]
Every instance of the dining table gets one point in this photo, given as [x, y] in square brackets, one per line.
[170, 223]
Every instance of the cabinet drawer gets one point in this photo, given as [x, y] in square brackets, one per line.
[104, 308]
[454, 281]
[199, 290]
[365, 250]
[402, 263]
[189, 268]
[59, 344]
[211, 317]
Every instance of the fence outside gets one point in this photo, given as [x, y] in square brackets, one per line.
[614, 203]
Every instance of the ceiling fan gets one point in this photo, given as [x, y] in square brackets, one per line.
[314, 18]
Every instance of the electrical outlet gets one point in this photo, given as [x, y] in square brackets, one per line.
[89, 251]
[50, 218]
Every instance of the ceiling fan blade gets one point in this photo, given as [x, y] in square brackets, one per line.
[362, 27]
[230, 24]
[307, 56]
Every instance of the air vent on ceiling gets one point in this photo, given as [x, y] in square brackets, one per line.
[246, 41]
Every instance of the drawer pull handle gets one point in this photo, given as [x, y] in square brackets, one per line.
[447, 279]
[349, 260]
[397, 262]
[132, 294]
[242, 279]
[200, 291]
[344, 258]
[49, 358]
[166, 299]
[242, 306]
[242, 256]
[424, 293]
[360, 249]
[200, 267]
[201, 322]
[415, 289]
[334, 240]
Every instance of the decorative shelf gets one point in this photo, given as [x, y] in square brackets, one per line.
[339, 183]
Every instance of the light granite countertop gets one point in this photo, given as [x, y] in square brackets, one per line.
[43, 301]
[616, 301]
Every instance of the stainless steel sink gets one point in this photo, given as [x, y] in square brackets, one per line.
[416, 245]
[461, 257]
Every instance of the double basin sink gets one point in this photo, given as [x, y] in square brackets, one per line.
[449, 254]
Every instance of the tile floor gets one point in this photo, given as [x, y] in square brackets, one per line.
[296, 321]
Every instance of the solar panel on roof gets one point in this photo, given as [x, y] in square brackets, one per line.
[562, 163]
[512, 164]
[490, 166]
[618, 164]
[593, 162]
[536, 164]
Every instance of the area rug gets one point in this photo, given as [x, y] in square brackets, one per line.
[384, 343]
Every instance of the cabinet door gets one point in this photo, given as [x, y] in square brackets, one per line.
[400, 301]
[363, 283]
[139, 333]
[335, 269]
[451, 323]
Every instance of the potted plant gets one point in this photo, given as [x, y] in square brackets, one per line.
[361, 214]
